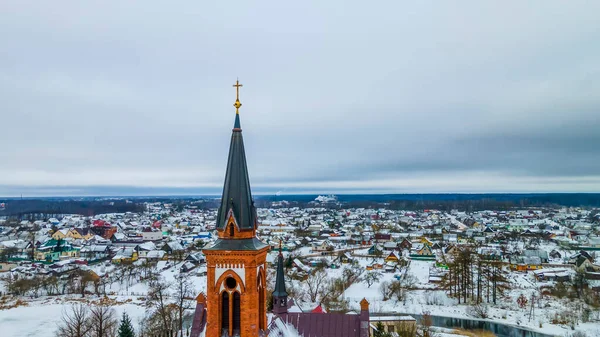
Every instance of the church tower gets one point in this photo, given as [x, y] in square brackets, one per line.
[236, 263]
[280, 295]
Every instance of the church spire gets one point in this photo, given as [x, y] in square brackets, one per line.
[237, 208]
[280, 294]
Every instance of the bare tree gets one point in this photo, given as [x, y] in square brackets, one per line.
[479, 310]
[103, 320]
[352, 274]
[74, 323]
[399, 288]
[184, 291]
[50, 285]
[332, 295]
[315, 283]
[148, 270]
[384, 290]
[157, 299]
[371, 277]
[153, 325]
[426, 324]
[84, 277]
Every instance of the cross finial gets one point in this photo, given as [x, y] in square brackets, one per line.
[237, 103]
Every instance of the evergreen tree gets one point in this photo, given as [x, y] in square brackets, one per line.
[126, 329]
[380, 330]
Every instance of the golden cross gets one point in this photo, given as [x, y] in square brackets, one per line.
[237, 86]
[237, 103]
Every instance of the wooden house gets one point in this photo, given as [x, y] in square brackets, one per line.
[423, 252]
[344, 257]
[392, 257]
[525, 263]
[405, 244]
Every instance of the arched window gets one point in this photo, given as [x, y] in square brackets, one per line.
[231, 230]
[261, 303]
[236, 313]
[225, 312]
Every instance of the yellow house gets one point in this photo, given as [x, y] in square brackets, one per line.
[127, 255]
[426, 241]
[524, 267]
[46, 255]
[74, 234]
[524, 263]
[424, 250]
[60, 234]
[401, 324]
[6, 266]
[392, 258]
[80, 234]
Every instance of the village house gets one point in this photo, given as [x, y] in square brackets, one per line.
[95, 252]
[148, 234]
[125, 255]
[394, 325]
[322, 246]
[422, 252]
[525, 263]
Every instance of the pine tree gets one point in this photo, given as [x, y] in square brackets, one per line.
[380, 330]
[126, 329]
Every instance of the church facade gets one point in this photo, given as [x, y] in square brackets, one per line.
[234, 303]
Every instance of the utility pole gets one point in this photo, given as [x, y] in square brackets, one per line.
[532, 310]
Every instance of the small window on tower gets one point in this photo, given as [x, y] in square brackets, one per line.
[230, 283]
[231, 230]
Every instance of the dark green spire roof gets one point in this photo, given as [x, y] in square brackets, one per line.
[280, 280]
[236, 190]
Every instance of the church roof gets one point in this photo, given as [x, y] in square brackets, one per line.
[236, 190]
[237, 244]
[324, 324]
[280, 281]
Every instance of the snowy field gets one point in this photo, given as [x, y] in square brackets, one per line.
[40, 317]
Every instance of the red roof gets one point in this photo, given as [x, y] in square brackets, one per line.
[100, 223]
[318, 310]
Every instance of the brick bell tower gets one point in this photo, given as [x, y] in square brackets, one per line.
[236, 280]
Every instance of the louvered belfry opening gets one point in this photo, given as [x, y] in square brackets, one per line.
[225, 312]
[236, 313]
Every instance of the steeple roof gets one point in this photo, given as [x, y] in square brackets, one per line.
[237, 197]
[236, 190]
[280, 281]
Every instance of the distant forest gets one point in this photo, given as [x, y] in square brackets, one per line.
[35, 209]
[464, 202]
[44, 208]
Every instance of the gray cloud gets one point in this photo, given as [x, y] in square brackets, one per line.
[338, 96]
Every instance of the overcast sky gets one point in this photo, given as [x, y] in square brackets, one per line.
[125, 97]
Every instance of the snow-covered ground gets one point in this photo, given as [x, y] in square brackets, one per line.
[437, 303]
[40, 317]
